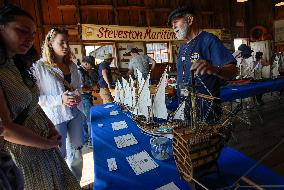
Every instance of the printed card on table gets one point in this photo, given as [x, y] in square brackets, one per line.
[111, 163]
[119, 125]
[125, 140]
[169, 186]
[141, 162]
[113, 113]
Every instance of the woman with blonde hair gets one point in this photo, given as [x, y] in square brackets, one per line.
[59, 83]
[27, 133]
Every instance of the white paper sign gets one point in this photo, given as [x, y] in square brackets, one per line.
[141, 162]
[119, 125]
[125, 140]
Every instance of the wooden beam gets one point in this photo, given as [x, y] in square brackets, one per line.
[60, 25]
[130, 8]
[112, 7]
[73, 7]
[114, 3]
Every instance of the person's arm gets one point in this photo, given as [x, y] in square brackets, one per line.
[153, 63]
[130, 68]
[130, 72]
[105, 74]
[19, 134]
[219, 62]
[227, 72]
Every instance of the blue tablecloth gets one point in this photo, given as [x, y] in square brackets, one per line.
[232, 92]
[232, 163]
[124, 178]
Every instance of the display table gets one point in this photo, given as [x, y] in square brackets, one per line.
[124, 178]
[232, 92]
[232, 163]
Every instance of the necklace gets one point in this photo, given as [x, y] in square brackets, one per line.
[190, 45]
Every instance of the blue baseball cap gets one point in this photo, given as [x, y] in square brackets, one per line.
[245, 50]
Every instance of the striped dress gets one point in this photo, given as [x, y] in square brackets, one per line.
[42, 169]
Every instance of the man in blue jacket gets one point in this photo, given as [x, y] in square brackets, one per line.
[203, 53]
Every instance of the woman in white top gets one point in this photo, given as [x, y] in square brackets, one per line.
[59, 81]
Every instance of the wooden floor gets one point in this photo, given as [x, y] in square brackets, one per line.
[261, 140]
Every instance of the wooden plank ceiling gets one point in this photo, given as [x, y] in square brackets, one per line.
[141, 13]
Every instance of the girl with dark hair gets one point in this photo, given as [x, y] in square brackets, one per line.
[29, 135]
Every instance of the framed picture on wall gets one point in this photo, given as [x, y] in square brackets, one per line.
[279, 31]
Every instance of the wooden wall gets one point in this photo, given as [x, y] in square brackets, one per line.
[226, 14]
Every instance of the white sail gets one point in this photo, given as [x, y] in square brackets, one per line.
[133, 91]
[144, 99]
[121, 92]
[179, 113]
[127, 93]
[117, 92]
[275, 67]
[159, 104]
[140, 79]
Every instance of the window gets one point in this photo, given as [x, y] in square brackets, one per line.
[98, 51]
[158, 51]
[238, 42]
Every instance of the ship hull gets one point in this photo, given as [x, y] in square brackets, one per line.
[196, 153]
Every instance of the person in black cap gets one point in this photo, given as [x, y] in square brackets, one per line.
[140, 62]
[245, 51]
[244, 61]
[203, 53]
[88, 85]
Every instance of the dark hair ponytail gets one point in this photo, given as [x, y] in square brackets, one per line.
[22, 62]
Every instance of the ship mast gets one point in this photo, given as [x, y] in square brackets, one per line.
[193, 118]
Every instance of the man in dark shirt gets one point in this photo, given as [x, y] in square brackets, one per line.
[105, 79]
[203, 53]
[85, 70]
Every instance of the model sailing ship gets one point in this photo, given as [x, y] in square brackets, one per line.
[144, 106]
[196, 143]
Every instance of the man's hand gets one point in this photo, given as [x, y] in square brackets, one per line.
[203, 67]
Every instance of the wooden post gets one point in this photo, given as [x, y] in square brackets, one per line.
[79, 24]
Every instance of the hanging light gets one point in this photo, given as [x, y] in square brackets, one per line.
[279, 3]
[241, 1]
